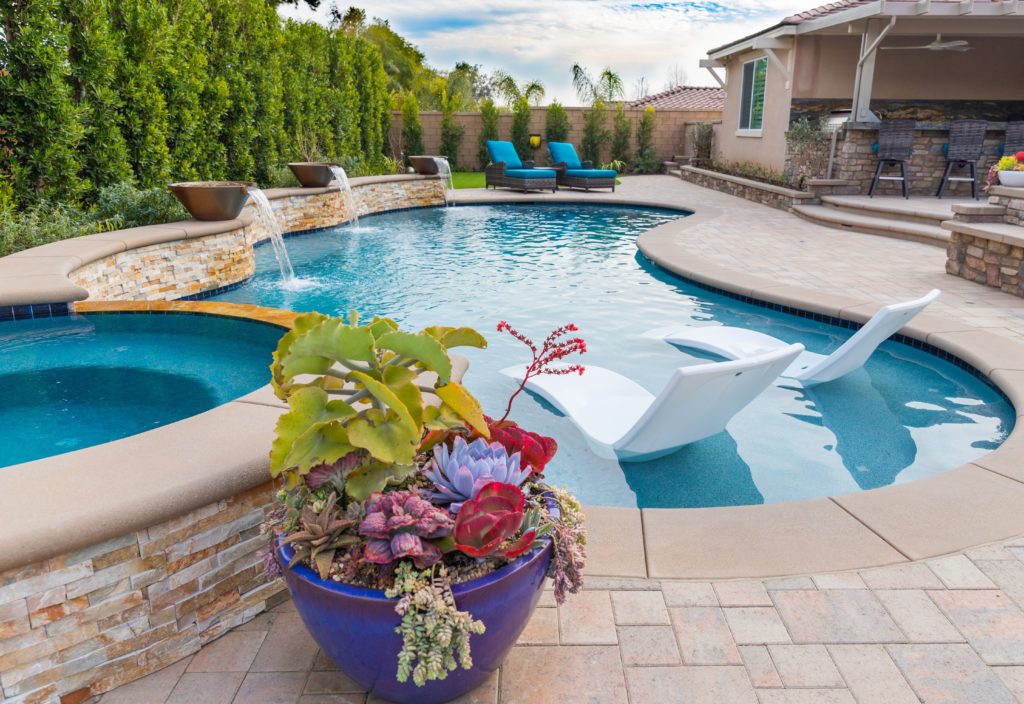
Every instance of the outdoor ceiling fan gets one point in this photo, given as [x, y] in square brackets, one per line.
[936, 45]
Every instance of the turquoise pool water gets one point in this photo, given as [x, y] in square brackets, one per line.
[906, 415]
[68, 383]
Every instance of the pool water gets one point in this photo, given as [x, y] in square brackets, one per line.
[72, 382]
[906, 415]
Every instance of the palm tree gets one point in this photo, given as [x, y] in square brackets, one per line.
[512, 91]
[605, 88]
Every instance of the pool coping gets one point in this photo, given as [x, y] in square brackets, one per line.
[216, 454]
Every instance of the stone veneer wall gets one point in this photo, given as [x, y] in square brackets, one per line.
[766, 194]
[186, 267]
[988, 255]
[82, 623]
[856, 161]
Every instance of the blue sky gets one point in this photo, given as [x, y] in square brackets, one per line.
[543, 38]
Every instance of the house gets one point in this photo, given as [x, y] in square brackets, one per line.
[929, 60]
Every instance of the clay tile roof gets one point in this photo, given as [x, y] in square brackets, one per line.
[684, 98]
[824, 11]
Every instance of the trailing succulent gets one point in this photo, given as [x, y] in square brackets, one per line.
[394, 478]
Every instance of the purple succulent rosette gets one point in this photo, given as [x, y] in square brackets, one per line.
[403, 524]
[460, 473]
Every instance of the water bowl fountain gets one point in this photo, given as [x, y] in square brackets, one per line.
[312, 174]
[212, 200]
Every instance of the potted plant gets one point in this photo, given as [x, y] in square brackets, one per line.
[414, 533]
[1009, 170]
[212, 200]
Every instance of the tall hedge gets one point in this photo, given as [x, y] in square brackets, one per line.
[100, 92]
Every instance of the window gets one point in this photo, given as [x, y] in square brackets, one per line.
[752, 96]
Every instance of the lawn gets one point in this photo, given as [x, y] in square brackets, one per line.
[468, 179]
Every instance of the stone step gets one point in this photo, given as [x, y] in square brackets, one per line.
[925, 212]
[873, 224]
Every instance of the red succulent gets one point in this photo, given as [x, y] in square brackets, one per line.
[485, 522]
[535, 450]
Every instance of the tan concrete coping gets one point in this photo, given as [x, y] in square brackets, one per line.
[977, 209]
[1006, 191]
[996, 231]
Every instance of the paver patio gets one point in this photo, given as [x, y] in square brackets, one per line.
[950, 629]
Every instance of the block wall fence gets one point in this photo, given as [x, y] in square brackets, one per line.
[669, 132]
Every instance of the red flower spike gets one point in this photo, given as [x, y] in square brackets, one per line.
[554, 349]
[485, 522]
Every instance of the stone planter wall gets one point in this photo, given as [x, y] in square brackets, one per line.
[187, 267]
[82, 623]
[987, 241]
[764, 193]
[856, 161]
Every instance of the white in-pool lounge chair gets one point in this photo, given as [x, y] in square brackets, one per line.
[623, 420]
[809, 368]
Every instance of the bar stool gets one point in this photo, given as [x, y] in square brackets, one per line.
[895, 145]
[966, 143]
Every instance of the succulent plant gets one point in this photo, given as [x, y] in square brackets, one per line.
[321, 535]
[487, 521]
[403, 524]
[461, 472]
[535, 450]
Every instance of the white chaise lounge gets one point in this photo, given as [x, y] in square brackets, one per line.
[809, 368]
[623, 420]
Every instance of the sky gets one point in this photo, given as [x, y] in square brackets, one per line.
[544, 38]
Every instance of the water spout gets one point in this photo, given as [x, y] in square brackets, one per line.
[266, 212]
[351, 201]
[444, 169]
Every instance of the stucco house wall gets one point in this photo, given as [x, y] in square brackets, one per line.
[769, 147]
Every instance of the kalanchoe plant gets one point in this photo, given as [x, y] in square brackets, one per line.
[402, 524]
[459, 473]
[487, 524]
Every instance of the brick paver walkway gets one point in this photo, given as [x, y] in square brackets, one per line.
[947, 630]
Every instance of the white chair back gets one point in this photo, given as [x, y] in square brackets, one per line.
[699, 401]
[853, 353]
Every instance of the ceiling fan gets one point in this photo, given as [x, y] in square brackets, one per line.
[936, 45]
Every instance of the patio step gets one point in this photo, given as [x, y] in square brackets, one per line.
[924, 211]
[873, 224]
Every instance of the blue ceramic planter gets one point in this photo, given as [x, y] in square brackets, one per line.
[356, 626]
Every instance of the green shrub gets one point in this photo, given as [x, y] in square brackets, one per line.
[521, 112]
[753, 171]
[702, 136]
[134, 207]
[412, 130]
[489, 116]
[808, 144]
[622, 135]
[42, 223]
[647, 161]
[595, 134]
[451, 131]
[557, 126]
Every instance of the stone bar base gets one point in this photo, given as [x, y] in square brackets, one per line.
[987, 241]
[82, 623]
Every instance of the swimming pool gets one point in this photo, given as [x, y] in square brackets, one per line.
[72, 382]
[906, 415]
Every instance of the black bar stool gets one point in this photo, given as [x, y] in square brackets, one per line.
[895, 145]
[966, 144]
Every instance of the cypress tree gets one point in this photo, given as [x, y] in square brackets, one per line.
[521, 112]
[94, 51]
[144, 34]
[40, 121]
[489, 117]
[412, 130]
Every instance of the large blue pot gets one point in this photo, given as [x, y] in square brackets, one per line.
[356, 626]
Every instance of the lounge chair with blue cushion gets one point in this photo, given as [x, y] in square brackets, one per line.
[509, 171]
[573, 173]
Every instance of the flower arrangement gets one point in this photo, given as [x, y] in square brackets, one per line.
[1009, 162]
[394, 479]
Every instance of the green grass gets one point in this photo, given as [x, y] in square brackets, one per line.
[468, 179]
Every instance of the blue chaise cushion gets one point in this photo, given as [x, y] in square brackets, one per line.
[504, 151]
[529, 173]
[591, 173]
[563, 152]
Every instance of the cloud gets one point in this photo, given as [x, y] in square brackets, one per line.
[543, 38]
